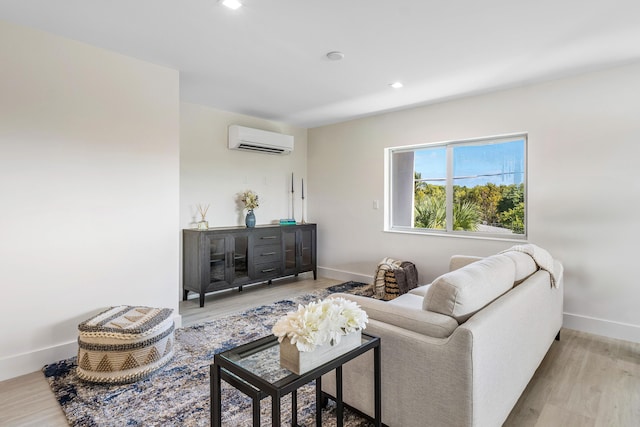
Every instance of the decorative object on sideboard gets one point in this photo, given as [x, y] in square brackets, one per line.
[250, 200]
[250, 219]
[319, 332]
[302, 221]
[203, 224]
[293, 200]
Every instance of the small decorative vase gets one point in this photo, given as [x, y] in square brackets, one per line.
[250, 219]
[203, 225]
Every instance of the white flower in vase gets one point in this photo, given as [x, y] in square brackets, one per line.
[320, 322]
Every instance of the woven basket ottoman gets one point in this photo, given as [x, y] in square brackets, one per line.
[124, 344]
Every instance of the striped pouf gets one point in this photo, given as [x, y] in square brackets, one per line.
[124, 344]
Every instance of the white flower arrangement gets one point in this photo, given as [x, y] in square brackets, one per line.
[250, 200]
[320, 323]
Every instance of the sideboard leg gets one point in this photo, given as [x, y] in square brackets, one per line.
[558, 336]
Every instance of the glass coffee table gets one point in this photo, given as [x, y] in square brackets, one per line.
[254, 369]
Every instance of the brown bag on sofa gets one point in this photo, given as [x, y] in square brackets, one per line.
[399, 280]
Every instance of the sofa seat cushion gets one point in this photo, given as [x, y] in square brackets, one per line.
[463, 292]
[407, 301]
[420, 290]
[406, 312]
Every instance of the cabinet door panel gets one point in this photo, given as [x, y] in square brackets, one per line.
[306, 248]
[239, 248]
[289, 245]
[217, 258]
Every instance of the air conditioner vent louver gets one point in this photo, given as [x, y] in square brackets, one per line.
[256, 140]
[252, 147]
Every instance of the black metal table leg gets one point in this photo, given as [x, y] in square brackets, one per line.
[216, 397]
[275, 411]
[294, 408]
[319, 402]
[377, 386]
[339, 404]
[256, 411]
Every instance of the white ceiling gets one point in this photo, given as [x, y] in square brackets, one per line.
[267, 59]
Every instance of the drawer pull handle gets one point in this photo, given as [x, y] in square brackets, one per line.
[268, 237]
[268, 270]
[267, 254]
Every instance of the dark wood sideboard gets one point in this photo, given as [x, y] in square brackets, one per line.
[223, 258]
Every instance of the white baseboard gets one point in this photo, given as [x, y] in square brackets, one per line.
[26, 363]
[607, 328]
[332, 273]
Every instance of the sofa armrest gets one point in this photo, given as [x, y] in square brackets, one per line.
[414, 319]
[423, 378]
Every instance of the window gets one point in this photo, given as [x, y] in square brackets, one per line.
[474, 187]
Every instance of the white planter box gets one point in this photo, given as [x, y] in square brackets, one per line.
[300, 362]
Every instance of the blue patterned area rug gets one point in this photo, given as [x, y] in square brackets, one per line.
[178, 395]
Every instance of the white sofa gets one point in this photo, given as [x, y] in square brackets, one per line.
[458, 352]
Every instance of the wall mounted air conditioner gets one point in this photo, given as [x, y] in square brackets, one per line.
[262, 141]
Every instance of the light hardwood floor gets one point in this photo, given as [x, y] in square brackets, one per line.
[585, 380]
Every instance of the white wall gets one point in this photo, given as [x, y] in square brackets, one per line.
[89, 191]
[584, 189]
[211, 174]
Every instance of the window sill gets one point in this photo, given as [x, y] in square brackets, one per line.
[458, 235]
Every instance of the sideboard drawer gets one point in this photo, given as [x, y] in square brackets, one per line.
[268, 270]
[270, 236]
[267, 253]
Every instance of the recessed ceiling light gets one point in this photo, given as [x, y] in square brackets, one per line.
[335, 55]
[396, 85]
[232, 4]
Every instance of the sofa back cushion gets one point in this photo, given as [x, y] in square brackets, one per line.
[463, 292]
[525, 265]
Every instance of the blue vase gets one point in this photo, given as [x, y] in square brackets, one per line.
[250, 219]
